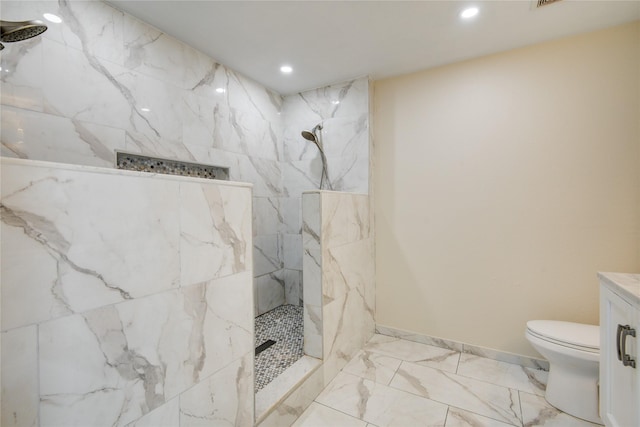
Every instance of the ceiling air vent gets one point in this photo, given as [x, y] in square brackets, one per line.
[546, 2]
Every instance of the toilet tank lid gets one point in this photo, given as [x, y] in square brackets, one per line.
[572, 333]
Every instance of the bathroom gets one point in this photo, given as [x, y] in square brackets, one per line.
[549, 232]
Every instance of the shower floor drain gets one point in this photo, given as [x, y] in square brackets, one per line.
[265, 345]
[284, 326]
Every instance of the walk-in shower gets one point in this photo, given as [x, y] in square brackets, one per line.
[315, 136]
[18, 31]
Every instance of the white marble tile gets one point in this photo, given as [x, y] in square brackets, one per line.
[379, 404]
[33, 135]
[301, 175]
[349, 268]
[153, 53]
[197, 117]
[21, 77]
[92, 26]
[457, 417]
[295, 404]
[167, 415]
[215, 232]
[267, 215]
[72, 90]
[499, 403]
[293, 287]
[345, 330]
[50, 220]
[423, 339]
[225, 398]
[421, 354]
[292, 213]
[529, 362]
[271, 291]
[128, 359]
[373, 366]
[313, 327]
[503, 374]
[267, 254]
[537, 412]
[293, 251]
[20, 377]
[318, 415]
[277, 389]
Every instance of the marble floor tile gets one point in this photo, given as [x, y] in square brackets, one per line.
[537, 412]
[457, 417]
[499, 403]
[318, 415]
[504, 374]
[373, 366]
[379, 404]
[421, 354]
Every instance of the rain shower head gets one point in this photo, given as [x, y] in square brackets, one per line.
[19, 31]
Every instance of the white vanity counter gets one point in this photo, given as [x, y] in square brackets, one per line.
[625, 285]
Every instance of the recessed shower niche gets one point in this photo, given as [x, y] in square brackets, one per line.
[140, 163]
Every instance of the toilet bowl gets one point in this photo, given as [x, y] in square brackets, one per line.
[573, 352]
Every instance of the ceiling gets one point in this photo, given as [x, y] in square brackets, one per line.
[330, 41]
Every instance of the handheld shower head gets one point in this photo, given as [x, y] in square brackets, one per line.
[19, 31]
[309, 136]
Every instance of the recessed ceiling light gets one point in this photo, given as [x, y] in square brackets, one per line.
[469, 12]
[52, 18]
[145, 110]
[221, 90]
[335, 102]
[286, 69]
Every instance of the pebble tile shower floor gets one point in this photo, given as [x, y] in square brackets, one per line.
[284, 325]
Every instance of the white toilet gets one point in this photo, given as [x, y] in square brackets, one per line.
[573, 352]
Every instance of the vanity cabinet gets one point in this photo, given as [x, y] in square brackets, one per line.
[619, 364]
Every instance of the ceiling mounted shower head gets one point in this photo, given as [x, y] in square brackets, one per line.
[19, 31]
[309, 136]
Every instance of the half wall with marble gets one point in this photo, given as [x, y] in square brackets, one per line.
[126, 298]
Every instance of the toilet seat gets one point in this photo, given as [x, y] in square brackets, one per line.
[567, 334]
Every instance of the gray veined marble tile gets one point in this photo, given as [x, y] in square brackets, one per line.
[379, 404]
[499, 403]
[267, 252]
[503, 374]
[271, 291]
[423, 339]
[20, 377]
[421, 354]
[536, 411]
[373, 366]
[83, 263]
[317, 415]
[457, 417]
[167, 415]
[221, 399]
[293, 251]
[215, 232]
[293, 287]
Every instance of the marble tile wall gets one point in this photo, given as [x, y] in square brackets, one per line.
[339, 291]
[102, 80]
[124, 298]
[343, 111]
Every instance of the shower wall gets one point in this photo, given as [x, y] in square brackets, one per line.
[343, 110]
[102, 80]
[124, 298]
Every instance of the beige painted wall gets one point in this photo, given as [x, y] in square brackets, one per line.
[503, 184]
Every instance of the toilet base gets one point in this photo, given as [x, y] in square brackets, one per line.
[574, 389]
